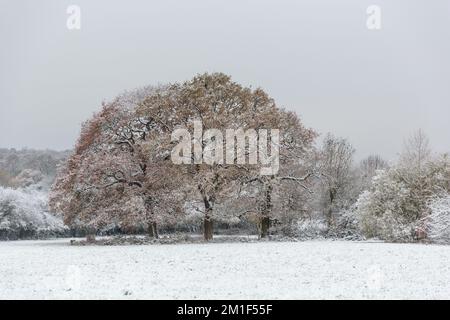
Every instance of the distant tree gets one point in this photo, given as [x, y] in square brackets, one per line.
[371, 164]
[368, 169]
[336, 161]
[27, 177]
[23, 162]
[416, 150]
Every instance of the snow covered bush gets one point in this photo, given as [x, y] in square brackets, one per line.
[346, 225]
[311, 228]
[24, 214]
[397, 202]
[437, 223]
[383, 213]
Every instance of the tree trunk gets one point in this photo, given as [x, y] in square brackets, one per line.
[330, 218]
[152, 230]
[155, 230]
[208, 229]
[264, 227]
[264, 222]
[90, 234]
[207, 221]
[90, 237]
[330, 210]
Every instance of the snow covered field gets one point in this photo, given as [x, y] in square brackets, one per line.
[267, 270]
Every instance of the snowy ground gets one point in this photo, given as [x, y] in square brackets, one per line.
[267, 270]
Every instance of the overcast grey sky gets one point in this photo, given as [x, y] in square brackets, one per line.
[316, 57]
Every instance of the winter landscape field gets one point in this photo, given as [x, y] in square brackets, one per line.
[53, 269]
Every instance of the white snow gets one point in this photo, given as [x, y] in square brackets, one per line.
[266, 270]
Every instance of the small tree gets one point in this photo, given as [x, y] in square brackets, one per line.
[336, 161]
[368, 168]
[416, 151]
